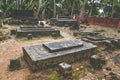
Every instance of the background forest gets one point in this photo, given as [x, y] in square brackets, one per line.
[50, 8]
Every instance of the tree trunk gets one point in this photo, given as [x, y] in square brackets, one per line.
[92, 7]
[72, 8]
[38, 10]
[54, 8]
[113, 9]
[82, 12]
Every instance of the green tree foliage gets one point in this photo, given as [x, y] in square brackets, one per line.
[110, 8]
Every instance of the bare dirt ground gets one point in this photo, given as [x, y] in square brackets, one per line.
[13, 48]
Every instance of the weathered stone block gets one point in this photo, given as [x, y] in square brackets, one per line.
[13, 32]
[29, 36]
[65, 69]
[14, 64]
[97, 62]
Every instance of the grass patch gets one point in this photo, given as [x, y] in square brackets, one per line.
[52, 75]
[27, 78]
[93, 71]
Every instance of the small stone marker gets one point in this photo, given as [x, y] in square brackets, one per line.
[54, 34]
[13, 32]
[118, 31]
[29, 36]
[97, 62]
[108, 69]
[65, 69]
[14, 64]
[42, 24]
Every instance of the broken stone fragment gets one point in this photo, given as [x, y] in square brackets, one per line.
[108, 69]
[112, 76]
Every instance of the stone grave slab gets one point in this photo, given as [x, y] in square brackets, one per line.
[58, 46]
[36, 31]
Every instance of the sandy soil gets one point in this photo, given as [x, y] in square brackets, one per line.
[13, 48]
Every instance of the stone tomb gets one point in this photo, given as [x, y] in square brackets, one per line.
[110, 43]
[63, 21]
[51, 54]
[22, 16]
[36, 31]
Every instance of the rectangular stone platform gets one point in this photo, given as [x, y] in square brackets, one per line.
[89, 32]
[95, 39]
[99, 38]
[40, 56]
[63, 21]
[36, 31]
[110, 43]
